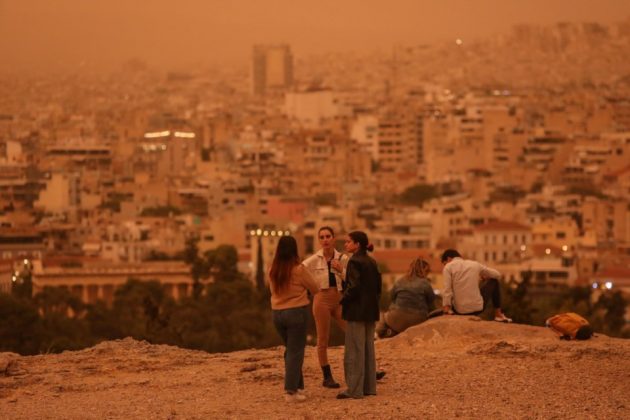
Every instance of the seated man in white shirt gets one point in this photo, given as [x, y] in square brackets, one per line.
[462, 293]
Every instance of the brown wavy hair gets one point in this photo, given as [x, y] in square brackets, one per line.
[418, 268]
[284, 261]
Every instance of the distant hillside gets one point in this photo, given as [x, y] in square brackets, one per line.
[553, 57]
[448, 367]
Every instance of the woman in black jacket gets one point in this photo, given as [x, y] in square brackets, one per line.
[361, 293]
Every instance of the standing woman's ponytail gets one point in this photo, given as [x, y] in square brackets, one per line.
[362, 239]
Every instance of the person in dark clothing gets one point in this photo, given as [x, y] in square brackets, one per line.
[412, 298]
[360, 308]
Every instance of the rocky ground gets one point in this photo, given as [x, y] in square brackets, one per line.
[447, 367]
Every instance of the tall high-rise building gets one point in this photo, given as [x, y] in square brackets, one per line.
[400, 144]
[272, 68]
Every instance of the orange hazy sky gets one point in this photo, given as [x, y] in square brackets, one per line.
[54, 34]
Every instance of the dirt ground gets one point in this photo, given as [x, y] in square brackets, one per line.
[449, 367]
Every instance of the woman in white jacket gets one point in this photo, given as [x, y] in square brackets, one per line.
[328, 267]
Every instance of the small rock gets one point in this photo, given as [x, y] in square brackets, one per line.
[9, 364]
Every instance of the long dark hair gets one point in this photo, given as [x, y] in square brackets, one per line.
[284, 261]
[362, 239]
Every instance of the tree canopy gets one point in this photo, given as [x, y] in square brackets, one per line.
[229, 312]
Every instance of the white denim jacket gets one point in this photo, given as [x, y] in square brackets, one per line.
[318, 268]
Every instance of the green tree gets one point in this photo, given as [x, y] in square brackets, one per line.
[199, 267]
[22, 286]
[231, 315]
[58, 300]
[103, 322]
[60, 333]
[238, 321]
[517, 301]
[610, 311]
[20, 325]
[63, 325]
[139, 310]
[222, 263]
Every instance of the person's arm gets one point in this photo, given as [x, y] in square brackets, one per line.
[309, 263]
[339, 266]
[353, 282]
[447, 292]
[394, 292]
[429, 295]
[308, 281]
[489, 273]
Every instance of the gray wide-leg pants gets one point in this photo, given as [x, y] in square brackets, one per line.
[359, 359]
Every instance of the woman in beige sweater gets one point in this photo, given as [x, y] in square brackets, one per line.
[290, 281]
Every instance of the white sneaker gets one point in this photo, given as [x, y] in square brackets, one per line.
[502, 318]
[297, 397]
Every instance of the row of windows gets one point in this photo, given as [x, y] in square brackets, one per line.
[505, 239]
[545, 236]
[404, 244]
[493, 256]
[8, 255]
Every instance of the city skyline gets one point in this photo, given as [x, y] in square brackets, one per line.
[70, 34]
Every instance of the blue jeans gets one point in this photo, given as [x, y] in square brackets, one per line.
[291, 325]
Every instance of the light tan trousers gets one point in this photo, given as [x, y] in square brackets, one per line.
[325, 308]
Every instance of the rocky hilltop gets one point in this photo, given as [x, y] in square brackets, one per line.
[445, 368]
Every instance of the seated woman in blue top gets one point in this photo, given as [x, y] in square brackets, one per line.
[412, 299]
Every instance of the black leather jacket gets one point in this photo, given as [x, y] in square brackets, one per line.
[361, 289]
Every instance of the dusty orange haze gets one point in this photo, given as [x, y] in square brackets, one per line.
[61, 34]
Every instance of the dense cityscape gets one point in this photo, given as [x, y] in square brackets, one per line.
[514, 149]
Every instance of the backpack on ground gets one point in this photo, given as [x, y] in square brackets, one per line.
[570, 326]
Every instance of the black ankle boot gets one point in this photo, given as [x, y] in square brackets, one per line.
[329, 382]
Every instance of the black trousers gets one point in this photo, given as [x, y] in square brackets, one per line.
[490, 292]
